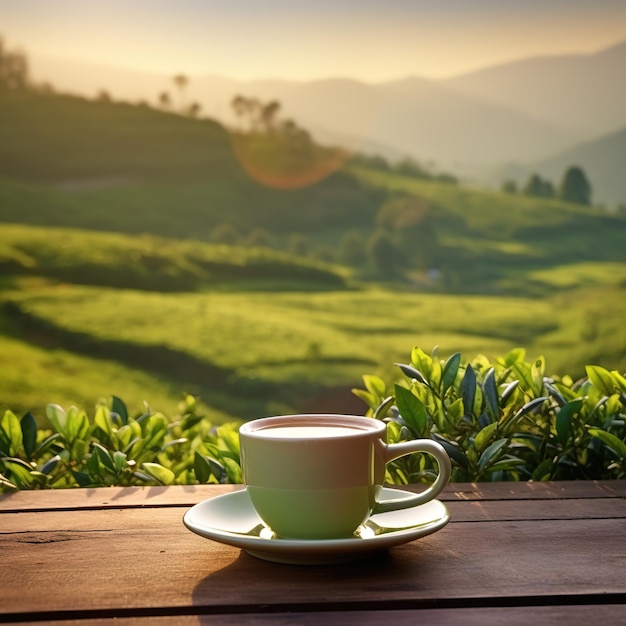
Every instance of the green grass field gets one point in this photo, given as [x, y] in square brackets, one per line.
[255, 352]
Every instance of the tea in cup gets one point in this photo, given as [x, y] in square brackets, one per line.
[320, 476]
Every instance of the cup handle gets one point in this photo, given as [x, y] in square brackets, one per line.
[395, 450]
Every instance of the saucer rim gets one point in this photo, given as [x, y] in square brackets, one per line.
[268, 548]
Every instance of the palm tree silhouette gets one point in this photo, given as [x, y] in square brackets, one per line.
[181, 81]
[164, 100]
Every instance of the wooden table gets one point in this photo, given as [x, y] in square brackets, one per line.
[525, 553]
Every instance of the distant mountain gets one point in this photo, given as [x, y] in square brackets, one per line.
[520, 112]
[414, 116]
[585, 93]
[418, 117]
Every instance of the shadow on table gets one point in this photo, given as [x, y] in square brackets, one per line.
[249, 585]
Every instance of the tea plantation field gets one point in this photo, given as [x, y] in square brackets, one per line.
[256, 346]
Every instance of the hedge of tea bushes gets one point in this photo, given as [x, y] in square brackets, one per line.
[498, 420]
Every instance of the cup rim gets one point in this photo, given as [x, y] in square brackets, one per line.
[361, 425]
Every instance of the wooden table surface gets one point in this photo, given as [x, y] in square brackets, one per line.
[513, 553]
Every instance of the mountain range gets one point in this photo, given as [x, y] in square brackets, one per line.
[542, 112]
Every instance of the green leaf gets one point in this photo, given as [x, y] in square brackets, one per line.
[610, 440]
[508, 392]
[202, 468]
[491, 394]
[468, 390]
[154, 429]
[601, 378]
[118, 406]
[421, 361]
[383, 408]
[49, 465]
[455, 411]
[491, 454]
[82, 479]
[367, 397]
[58, 419]
[43, 447]
[119, 461]
[28, 425]
[484, 436]
[516, 355]
[450, 370]
[375, 385]
[508, 463]
[104, 456]
[159, 473]
[6, 484]
[19, 475]
[537, 372]
[103, 421]
[12, 431]
[543, 470]
[523, 371]
[77, 424]
[233, 471]
[411, 372]
[229, 439]
[564, 419]
[453, 451]
[529, 406]
[411, 409]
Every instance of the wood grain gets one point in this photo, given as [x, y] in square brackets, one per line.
[188, 495]
[127, 555]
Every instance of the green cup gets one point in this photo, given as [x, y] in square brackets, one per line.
[320, 476]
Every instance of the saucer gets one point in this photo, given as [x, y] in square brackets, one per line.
[231, 519]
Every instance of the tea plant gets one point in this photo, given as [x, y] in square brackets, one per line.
[114, 448]
[500, 420]
[503, 420]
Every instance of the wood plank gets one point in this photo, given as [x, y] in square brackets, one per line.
[121, 559]
[460, 511]
[538, 490]
[110, 497]
[511, 616]
[188, 495]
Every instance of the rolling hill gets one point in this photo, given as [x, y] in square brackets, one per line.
[150, 308]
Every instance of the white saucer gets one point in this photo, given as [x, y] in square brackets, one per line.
[231, 519]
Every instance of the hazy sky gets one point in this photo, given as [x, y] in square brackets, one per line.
[371, 40]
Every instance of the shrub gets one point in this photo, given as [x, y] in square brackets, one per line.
[500, 420]
[503, 420]
[114, 448]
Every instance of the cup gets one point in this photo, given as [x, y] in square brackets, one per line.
[320, 476]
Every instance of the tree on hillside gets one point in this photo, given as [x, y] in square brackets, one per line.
[538, 187]
[298, 244]
[408, 219]
[164, 100]
[383, 254]
[575, 186]
[181, 82]
[353, 249]
[269, 111]
[193, 110]
[240, 106]
[509, 186]
[13, 68]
